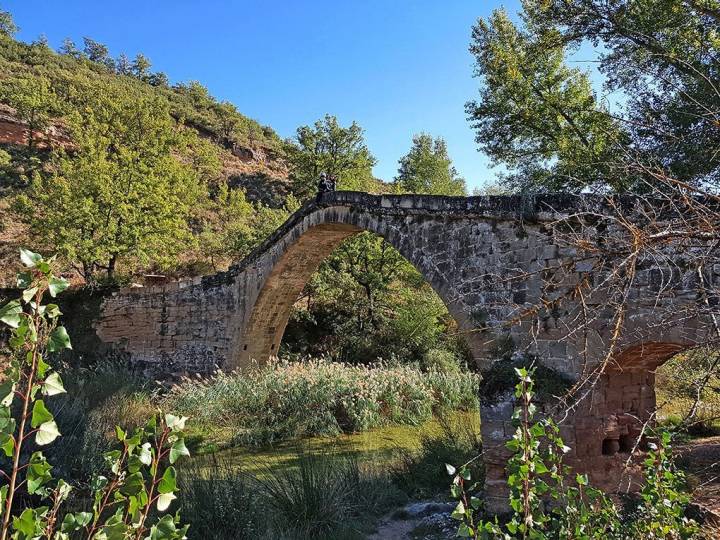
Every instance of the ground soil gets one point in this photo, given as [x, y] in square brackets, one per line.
[700, 459]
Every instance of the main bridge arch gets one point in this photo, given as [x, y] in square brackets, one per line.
[300, 247]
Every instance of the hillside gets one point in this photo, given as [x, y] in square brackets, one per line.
[250, 150]
[251, 156]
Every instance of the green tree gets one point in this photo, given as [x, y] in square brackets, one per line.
[42, 42]
[228, 119]
[97, 52]
[664, 57]
[159, 79]
[121, 194]
[328, 147]
[541, 119]
[7, 24]
[141, 67]
[69, 48]
[427, 168]
[122, 65]
[34, 101]
[536, 115]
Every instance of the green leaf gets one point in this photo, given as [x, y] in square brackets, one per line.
[521, 372]
[114, 528]
[47, 433]
[164, 500]
[10, 313]
[178, 450]
[165, 529]
[168, 483]
[459, 512]
[7, 422]
[75, 522]
[29, 258]
[42, 366]
[38, 473]
[7, 393]
[40, 414]
[57, 285]
[175, 423]
[7, 444]
[53, 311]
[134, 484]
[24, 280]
[63, 489]
[27, 524]
[58, 340]
[29, 294]
[464, 531]
[53, 385]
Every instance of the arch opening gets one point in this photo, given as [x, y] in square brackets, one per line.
[368, 303]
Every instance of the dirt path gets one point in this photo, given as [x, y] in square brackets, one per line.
[700, 459]
[424, 520]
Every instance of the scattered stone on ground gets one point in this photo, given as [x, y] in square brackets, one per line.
[423, 520]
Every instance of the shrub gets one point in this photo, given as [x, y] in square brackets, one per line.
[440, 360]
[130, 502]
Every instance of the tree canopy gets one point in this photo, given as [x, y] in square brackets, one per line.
[7, 24]
[543, 120]
[427, 168]
[328, 147]
[120, 191]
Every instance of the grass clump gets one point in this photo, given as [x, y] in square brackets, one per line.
[220, 502]
[422, 473]
[327, 498]
[99, 398]
[284, 401]
[318, 497]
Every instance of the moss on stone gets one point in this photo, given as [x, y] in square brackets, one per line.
[500, 378]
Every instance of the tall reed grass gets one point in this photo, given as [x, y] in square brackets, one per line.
[289, 400]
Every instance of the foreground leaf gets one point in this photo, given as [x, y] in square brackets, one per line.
[58, 340]
[47, 433]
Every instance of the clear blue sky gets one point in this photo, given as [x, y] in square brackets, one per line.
[397, 67]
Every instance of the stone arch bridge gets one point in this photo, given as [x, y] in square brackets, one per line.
[494, 261]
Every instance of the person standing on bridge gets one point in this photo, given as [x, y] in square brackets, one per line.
[327, 183]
